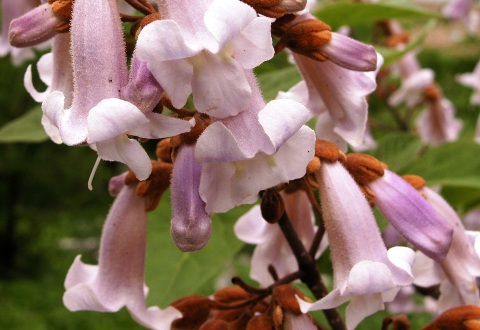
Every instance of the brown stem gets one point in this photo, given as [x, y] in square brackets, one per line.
[139, 6]
[129, 18]
[317, 239]
[308, 267]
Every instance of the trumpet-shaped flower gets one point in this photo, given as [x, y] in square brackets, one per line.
[457, 273]
[437, 124]
[209, 49]
[98, 116]
[407, 210]
[365, 273]
[272, 247]
[118, 280]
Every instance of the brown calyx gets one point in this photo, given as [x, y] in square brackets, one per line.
[432, 93]
[328, 151]
[306, 38]
[415, 181]
[364, 168]
[459, 318]
[62, 9]
[276, 8]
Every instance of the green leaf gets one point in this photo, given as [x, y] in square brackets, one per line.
[452, 164]
[398, 150]
[278, 80]
[347, 13]
[172, 274]
[27, 128]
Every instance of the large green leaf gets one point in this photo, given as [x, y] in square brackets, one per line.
[398, 150]
[26, 128]
[278, 80]
[349, 13]
[451, 164]
[172, 274]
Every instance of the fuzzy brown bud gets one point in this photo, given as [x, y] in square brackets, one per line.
[230, 294]
[215, 325]
[285, 296]
[306, 38]
[314, 165]
[276, 8]
[458, 318]
[260, 322]
[164, 151]
[272, 205]
[364, 168]
[195, 311]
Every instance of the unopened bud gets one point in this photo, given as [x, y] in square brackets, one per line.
[164, 150]
[276, 8]
[230, 294]
[215, 325]
[195, 311]
[458, 318]
[272, 205]
[260, 322]
[285, 296]
[364, 168]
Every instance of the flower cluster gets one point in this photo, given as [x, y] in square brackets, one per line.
[185, 75]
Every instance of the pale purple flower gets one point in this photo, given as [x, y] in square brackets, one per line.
[365, 273]
[206, 58]
[191, 225]
[437, 124]
[472, 80]
[12, 9]
[408, 211]
[272, 247]
[411, 92]
[462, 10]
[98, 116]
[341, 83]
[457, 273]
[118, 280]
[259, 148]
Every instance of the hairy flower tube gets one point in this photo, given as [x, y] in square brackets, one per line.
[118, 280]
[365, 273]
[98, 116]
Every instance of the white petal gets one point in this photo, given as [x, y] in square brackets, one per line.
[161, 126]
[128, 151]
[113, 117]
